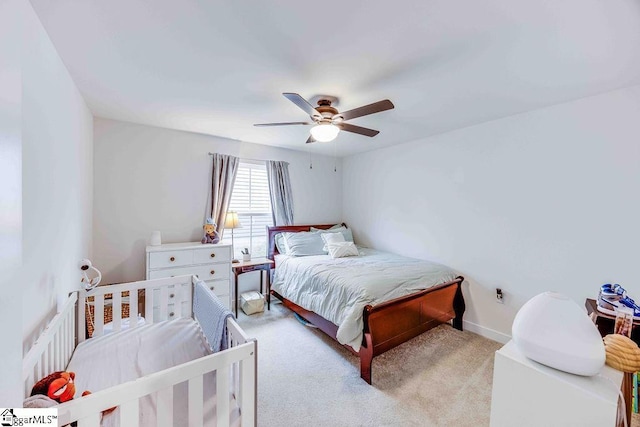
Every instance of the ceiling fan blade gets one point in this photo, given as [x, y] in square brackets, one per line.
[302, 103]
[310, 140]
[358, 129]
[376, 107]
[283, 124]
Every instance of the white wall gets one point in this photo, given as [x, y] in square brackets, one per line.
[546, 200]
[57, 186]
[10, 202]
[46, 186]
[148, 178]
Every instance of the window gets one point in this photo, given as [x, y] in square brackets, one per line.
[250, 200]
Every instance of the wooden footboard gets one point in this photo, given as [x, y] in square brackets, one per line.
[397, 321]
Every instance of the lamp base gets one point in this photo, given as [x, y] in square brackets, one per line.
[235, 261]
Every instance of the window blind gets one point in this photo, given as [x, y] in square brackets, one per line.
[250, 200]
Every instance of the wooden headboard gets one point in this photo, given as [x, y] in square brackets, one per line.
[272, 250]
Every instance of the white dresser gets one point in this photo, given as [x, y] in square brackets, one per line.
[526, 393]
[211, 263]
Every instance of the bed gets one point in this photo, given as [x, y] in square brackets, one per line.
[163, 372]
[383, 321]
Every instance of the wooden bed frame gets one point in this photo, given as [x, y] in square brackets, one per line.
[391, 323]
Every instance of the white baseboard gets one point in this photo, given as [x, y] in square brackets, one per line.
[483, 331]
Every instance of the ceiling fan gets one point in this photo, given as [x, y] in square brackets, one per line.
[328, 121]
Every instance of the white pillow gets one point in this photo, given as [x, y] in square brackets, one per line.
[330, 238]
[342, 249]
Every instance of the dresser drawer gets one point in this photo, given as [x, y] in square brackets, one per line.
[170, 259]
[211, 254]
[219, 287]
[204, 272]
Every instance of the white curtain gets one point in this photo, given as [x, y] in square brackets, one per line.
[280, 191]
[223, 175]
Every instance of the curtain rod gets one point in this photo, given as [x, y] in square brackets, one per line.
[244, 158]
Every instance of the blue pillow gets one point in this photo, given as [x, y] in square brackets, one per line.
[333, 227]
[346, 232]
[304, 244]
[280, 245]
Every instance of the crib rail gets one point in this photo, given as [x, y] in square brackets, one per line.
[168, 298]
[87, 411]
[164, 299]
[53, 349]
[241, 374]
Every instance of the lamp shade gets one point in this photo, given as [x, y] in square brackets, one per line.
[325, 132]
[231, 221]
[553, 330]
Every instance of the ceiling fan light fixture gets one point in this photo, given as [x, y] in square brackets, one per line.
[325, 132]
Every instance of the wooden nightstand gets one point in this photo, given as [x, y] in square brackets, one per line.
[256, 264]
[605, 324]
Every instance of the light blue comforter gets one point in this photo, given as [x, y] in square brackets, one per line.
[339, 289]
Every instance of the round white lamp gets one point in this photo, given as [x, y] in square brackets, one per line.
[553, 330]
[324, 132]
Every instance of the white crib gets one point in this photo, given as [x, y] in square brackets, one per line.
[165, 299]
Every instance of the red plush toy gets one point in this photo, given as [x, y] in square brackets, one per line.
[60, 387]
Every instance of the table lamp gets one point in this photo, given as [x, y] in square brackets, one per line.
[231, 221]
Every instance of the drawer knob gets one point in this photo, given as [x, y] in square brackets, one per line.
[172, 259]
[213, 255]
[171, 314]
[213, 272]
[212, 287]
[172, 295]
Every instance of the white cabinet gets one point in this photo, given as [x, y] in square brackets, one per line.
[526, 393]
[211, 263]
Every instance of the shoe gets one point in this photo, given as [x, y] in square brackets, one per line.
[609, 290]
[609, 297]
[613, 296]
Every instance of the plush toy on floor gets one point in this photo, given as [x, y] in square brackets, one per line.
[210, 233]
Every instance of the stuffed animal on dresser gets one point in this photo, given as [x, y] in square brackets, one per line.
[210, 233]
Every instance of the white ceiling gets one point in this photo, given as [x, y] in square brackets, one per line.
[217, 67]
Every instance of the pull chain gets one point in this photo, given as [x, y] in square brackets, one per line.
[335, 167]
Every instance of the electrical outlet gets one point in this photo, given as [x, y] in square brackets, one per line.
[499, 296]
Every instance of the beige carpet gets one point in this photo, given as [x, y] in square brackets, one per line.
[441, 378]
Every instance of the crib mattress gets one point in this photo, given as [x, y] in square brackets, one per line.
[113, 359]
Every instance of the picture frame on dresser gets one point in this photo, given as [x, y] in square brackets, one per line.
[209, 262]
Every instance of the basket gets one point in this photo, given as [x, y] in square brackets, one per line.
[108, 309]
